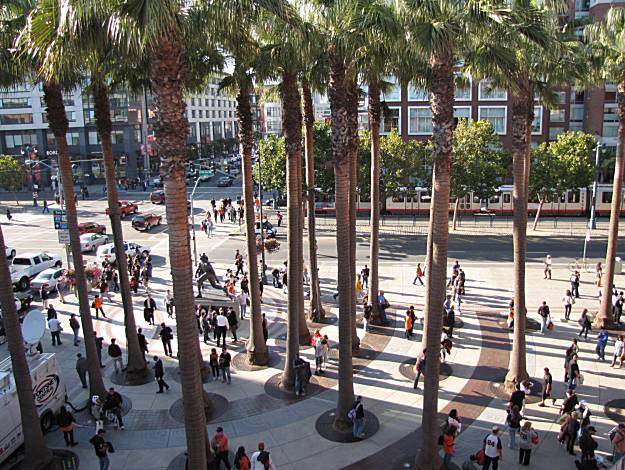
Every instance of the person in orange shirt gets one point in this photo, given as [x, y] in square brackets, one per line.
[97, 305]
[449, 446]
[409, 323]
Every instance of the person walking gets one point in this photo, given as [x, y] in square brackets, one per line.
[364, 273]
[584, 322]
[241, 460]
[569, 403]
[206, 326]
[493, 450]
[319, 350]
[46, 209]
[587, 443]
[55, 330]
[43, 293]
[159, 374]
[261, 460]
[149, 307]
[547, 387]
[574, 372]
[143, 343]
[449, 443]
[115, 353]
[569, 431]
[81, 369]
[602, 341]
[527, 439]
[409, 325]
[618, 442]
[543, 312]
[547, 266]
[513, 420]
[166, 335]
[214, 363]
[568, 300]
[224, 364]
[99, 344]
[233, 324]
[242, 300]
[221, 327]
[169, 304]
[102, 448]
[574, 280]
[265, 329]
[619, 351]
[219, 443]
[104, 289]
[65, 420]
[74, 324]
[418, 275]
[357, 415]
[419, 367]
[97, 305]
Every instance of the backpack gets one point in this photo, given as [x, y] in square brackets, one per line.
[263, 458]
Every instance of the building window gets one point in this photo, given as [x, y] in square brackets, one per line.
[18, 140]
[89, 115]
[560, 97]
[94, 138]
[463, 93]
[486, 92]
[496, 115]
[213, 113]
[610, 113]
[117, 137]
[119, 114]
[554, 132]
[201, 113]
[15, 103]
[390, 120]
[462, 112]
[610, 129]
[228, 129]
[272, 112]
[14, 119]
[205, 101]
[577, 113]
[556, 115]
[193, 114]
[73, 138]
[217, 131]
[537, 123]
[192, 101]
[577, 96]
[394, 93]
[419, 120]
[417, 94]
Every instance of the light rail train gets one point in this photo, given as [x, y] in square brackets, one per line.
[575, 202]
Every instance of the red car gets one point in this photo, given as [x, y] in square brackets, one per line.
[125, 208]
[157, 197]
[91, 227]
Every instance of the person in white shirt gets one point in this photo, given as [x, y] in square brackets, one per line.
[222, 326]
[169, 303]
[260, 459]
[55, 330]
[619, 350]
[547, 267]
[493, 450]
[242, 298]
[568, 301]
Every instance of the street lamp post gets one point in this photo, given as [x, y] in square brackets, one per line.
[263, 274]
[592, 223]
[197, 181]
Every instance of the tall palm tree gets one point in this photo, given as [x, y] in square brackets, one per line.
[606, 40]
[352, 95]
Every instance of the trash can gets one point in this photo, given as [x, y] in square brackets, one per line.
[618, 265]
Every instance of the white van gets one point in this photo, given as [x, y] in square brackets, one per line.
[49, 393]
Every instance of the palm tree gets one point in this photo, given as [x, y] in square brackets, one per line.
[352, 93]
[316, 311]
[606, 40]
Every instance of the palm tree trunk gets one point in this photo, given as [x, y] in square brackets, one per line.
[37, 455]
[352, 92]
[455, 219]
[136, 368]
[522, 116]
[257, 352]
[541, 202]
[340, 152]
[441, 102]
[292, 125]
[605, 318]
[171, 135]
[316, 311]
[57, 119]
[374, 244]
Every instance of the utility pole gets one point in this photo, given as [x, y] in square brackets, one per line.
[144, 135]
[592, 223]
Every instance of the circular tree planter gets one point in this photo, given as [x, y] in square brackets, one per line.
[275, 390]
[498, 387]
[219, 407]
[124, 379]
[240, 362]
[325, 427]
[407, 369]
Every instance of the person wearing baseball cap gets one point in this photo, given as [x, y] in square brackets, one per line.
[493, 450]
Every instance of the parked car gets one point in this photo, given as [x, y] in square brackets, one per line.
[91, 227]
[268, 228]
[143, 222]
[107, 252]
[90, 241]
[125, 208]
[224, 181]
[157, 197]
[25, 267]
[22, 302]
[48, 278]
[157, 182]
[10, 251]
[280, 202]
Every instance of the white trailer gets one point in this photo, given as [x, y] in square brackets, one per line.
[48, 391]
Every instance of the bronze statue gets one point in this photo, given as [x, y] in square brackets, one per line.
[206, 272]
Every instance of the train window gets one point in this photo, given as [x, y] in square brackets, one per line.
[415, 198]
[606, 197]
[563, 198]
[533, 200]
[494, 199]
[425, 197]
[476, 200]
[507, 197]
[397, 199]
[573, 196]
[365, 197]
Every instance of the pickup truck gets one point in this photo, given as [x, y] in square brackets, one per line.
[125, 208]
[28, 265]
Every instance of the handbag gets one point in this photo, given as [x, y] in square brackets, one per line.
[535, 439]
[550, 325]
[580, 379]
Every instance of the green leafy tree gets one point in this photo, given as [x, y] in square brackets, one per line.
[479, 163]
[272, 175]
[12, 174]
[547, 181]
[324, 174]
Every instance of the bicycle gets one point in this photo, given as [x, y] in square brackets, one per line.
[581, 265]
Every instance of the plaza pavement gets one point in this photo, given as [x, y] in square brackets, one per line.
[480, 355]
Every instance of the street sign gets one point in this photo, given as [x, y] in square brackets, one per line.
[60, 219]
[206, 173]
[64, 237]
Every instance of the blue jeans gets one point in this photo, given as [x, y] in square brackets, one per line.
[512, 434]
[600, 350]
[104, 462]
[543, 325]
[358, 428]
[76, 338]
[447, 461]
[226, 374]
[243, 310]
[300, 385]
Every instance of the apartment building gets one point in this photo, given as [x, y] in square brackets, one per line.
[24, 129]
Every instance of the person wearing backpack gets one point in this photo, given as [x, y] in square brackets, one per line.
[357, 415]
[513, 420]
[65, 420]
[261, 459]
[527, 438]
[617, 438]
